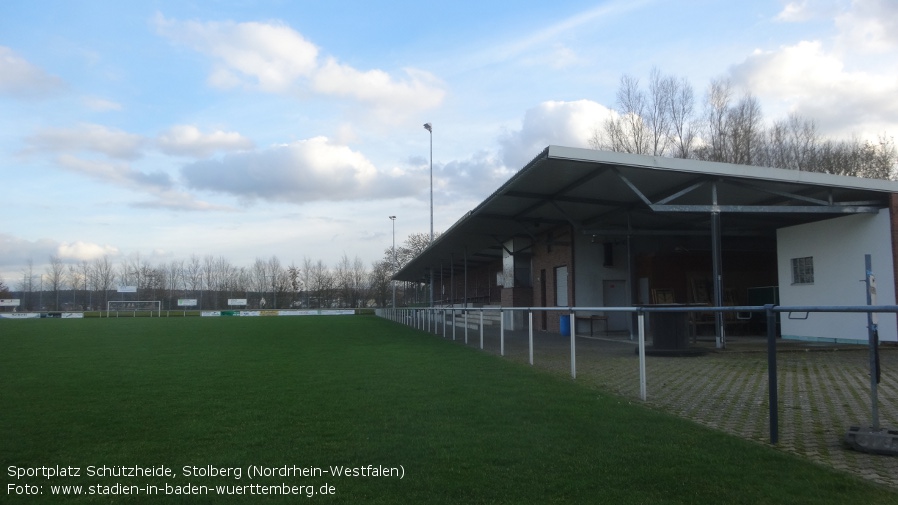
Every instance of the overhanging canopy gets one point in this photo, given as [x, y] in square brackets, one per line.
[608, 193]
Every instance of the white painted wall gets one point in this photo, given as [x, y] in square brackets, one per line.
[591, 273]
[838, 247]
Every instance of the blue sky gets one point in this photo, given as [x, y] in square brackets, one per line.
[248, 129]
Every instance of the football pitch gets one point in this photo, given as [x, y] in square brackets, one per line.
[346, 409]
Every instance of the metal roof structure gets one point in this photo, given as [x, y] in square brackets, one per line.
[609, 193]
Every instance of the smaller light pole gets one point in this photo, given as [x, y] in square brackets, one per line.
[429, 128]
[393, 282]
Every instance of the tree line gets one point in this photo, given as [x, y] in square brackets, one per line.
[213, 280]
[664, 119]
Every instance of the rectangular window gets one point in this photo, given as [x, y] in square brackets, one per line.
[803, 270]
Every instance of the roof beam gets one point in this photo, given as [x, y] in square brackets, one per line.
[769, 209]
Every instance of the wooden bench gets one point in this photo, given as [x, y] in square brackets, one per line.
[591, 320]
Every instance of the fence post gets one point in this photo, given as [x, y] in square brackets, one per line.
[640, 317]
[530, 325]
[501, 332]
[481, 328]
[573, 345]
[452, 316]
[772, 394]
[466, 325]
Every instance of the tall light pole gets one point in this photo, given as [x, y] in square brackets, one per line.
[393, 281]
[429, 127]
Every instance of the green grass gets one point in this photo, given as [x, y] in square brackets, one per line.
[467, 427]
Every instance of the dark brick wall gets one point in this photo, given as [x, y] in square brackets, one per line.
[553, 249]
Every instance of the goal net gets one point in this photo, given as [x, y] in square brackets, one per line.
[134, 308]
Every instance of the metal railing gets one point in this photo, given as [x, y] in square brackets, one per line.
[431, 320]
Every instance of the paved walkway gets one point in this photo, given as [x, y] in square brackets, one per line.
[823, 390]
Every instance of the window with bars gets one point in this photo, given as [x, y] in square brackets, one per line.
[803, 270]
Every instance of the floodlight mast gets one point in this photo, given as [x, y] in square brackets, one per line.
[429, 128]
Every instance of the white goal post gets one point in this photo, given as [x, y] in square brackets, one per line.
[134, 307]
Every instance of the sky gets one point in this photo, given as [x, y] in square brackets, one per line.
[294, 128]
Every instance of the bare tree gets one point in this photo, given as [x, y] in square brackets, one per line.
[280, 282]
[658, 111]
[682, 117]
[76, 281]
[717, 105]
[26, 285]
[351, 278]
[209, 272]
[379, 282]
[744, 130]
[193, 276]
[414, 245]
[626, 131]
[135, 271]
[87, 284]
[55, 278]
[104, 277]
[306, 279]
[294, 276]
[174, 274]
[261, 280]
[323, 285]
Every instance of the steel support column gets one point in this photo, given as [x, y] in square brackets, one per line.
[717, 270]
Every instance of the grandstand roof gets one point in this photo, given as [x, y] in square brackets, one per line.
[608, 193]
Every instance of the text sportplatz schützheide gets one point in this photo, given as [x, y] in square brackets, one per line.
[32, 480]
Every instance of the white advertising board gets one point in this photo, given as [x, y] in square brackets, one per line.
[20, 315]
[322, 312]
[186, 302]
[127, 289]
[236, 301]
[9, 302]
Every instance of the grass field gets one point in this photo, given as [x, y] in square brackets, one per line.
[350, 391]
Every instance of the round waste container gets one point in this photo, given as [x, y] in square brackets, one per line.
[565, 324]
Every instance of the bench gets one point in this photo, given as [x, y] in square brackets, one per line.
[591, 320]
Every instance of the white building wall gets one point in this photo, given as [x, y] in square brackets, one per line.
[838, 247]
[591, 275]
[591, 272]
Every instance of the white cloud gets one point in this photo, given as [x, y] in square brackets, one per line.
[272, 57]
[86, 137]
[806, 79]
[472, 178]
[794, 12]
[302, 171]
[21, 79]
[84, 251]
[15, 251]
[118, 173]
[869, 26]
[101, 104]
[553, 122]
[188, 140]
[157, 184]
[419, 91]
[174, 200]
